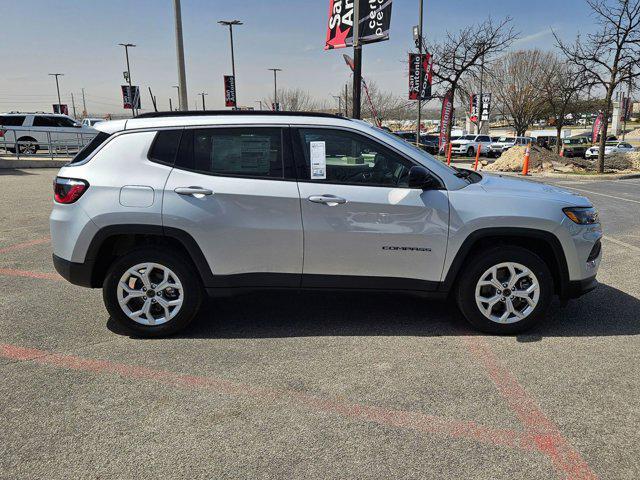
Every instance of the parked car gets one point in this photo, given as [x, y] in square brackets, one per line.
[610, 148]
[222, 202]
[33, 131]
[574, 147]
[90, 122]
[503, 144]
[428, 143]
[469, 144]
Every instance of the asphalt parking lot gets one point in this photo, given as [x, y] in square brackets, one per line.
[309, 385]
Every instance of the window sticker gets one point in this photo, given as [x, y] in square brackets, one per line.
[318, 160]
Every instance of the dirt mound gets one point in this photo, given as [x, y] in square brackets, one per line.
[634, 133]
[623, 161]
[541, 160]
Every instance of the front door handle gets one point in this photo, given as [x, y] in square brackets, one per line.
[193, 191]
[330, 200]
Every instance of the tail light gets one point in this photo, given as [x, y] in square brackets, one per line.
[2, 133]
[68, 190]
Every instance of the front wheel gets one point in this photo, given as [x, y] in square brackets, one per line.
[506, 290]
[152, 293]
[471, 152]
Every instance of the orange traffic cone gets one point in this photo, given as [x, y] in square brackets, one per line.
[527, 155]
[475, 166]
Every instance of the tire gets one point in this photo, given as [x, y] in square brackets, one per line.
[471, 152]
[32, 148]
[469, 292]
[182, 297]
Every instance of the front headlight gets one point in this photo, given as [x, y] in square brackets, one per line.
[582, 215]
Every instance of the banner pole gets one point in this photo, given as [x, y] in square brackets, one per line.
[421, 76]
[357, 60]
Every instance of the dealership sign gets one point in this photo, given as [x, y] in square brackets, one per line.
[130, 97]
[375, 21]
[229, 91]
[445, 118]
[417, 64]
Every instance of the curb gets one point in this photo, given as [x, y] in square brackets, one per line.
[18, 164]
[570, 176]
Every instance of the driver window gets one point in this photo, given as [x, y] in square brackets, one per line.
[353, 159]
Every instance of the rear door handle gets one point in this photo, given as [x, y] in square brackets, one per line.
[330, 200]
[193, 191]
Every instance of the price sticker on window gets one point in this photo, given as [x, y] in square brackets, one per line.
[318, 160]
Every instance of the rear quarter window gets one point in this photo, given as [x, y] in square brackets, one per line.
[89, 148]
[12, 120]
[165, 147]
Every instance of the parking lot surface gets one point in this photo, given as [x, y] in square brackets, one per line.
[315, 385]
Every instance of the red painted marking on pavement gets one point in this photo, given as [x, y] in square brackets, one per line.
[414, 421]
[549, 440]
[20, 246]
[12, 272]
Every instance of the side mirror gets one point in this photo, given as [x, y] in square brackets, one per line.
[420, 177]
[77, 125]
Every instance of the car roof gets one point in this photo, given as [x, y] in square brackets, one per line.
[35, 113]
[195, 118]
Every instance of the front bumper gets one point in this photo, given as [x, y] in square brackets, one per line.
[76, 273]
[577, 288]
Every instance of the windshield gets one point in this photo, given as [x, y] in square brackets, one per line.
[469, 137]
[506, 139]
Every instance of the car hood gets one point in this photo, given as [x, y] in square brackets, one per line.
[516, 187]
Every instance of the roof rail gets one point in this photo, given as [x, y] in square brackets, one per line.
[200, 113]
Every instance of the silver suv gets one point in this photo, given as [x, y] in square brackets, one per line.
[161, 209]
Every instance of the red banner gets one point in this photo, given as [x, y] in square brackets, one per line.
[445, 118]
[375, 22]
[597, 128]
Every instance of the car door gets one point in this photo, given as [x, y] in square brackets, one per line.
[233, 191]
[363, 226]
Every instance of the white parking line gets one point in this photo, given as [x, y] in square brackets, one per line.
[602, 194]
[622, 244]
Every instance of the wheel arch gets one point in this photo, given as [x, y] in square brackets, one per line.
[544, 244]
[115, 240]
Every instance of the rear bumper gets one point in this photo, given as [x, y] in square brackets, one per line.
[76, 273]
[577, 288]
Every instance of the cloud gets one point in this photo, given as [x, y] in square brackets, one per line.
[535, 36]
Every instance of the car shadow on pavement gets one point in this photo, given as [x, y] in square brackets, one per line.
[277, 314]
[13, 171]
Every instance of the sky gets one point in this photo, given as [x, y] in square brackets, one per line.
[79, 39]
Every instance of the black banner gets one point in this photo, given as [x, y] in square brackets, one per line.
[229, 91]
[414, 76]
[375, 22]
[130, 97]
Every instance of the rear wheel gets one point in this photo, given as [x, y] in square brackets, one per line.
[27, 145]
[152, 293]
[506, 290]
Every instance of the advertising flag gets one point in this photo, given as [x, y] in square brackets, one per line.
[229, 91]
[597, 128]
[414, 76]
[61, 108]
[486, 107]
[375, 22]
[445, 118]
[130, 97]
[473, 109]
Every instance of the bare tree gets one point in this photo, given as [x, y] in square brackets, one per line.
[515, 84]
[610, 56]
[462, 52]
[387, 105]
[561, 85]
[294, 100]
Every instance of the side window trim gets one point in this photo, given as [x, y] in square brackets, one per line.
[188, 135]
[301, 165]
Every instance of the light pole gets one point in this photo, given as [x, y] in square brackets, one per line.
[275, 87]
[339, 98]
[58, 89]
[131, 96]
[182, 75]
[202, 94]
[179, 97]
[260, 102]
[230, 24]
[421, 77]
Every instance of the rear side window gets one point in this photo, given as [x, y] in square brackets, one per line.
[12, 120]
[238, 152]
[90, 147]
[42, 121]
[165, 147]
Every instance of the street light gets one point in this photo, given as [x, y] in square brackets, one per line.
[182, 76]
[260, 102]
[203, 105]
[339, 99]
[275, 87]
[58, 89]
[230, 24]
[131, 96]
